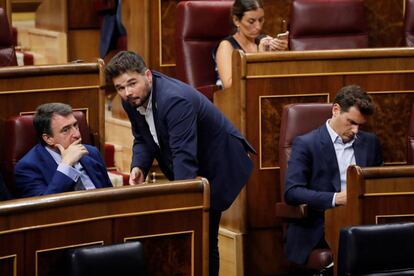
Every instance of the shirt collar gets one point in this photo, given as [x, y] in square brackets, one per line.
[335, 138]
[142, 110]
[56, 156]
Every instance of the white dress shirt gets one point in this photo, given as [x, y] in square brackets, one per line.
[149, 117]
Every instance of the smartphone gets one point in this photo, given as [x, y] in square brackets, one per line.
[283, 35]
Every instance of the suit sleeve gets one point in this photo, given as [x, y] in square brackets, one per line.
[298, 186]
[103, 172]
[31, 182]
[181, 121]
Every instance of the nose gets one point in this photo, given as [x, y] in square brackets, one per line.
[76, 132]
[127, 91]
[355, 129]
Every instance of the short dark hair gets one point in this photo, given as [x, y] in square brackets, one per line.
[122, 62]
[354, 95]
[43, 117]
[242, 6]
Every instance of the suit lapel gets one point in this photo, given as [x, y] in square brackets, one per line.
[155, 109]
[329, 156]
[360, 150]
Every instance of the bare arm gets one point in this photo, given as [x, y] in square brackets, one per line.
[223, 60]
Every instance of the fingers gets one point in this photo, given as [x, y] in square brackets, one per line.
[60, 148]
[77, 142]
[136, 177]
[278, 44]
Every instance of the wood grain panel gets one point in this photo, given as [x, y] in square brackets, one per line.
[271, 109]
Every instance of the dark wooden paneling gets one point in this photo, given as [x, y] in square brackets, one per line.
[82, 15]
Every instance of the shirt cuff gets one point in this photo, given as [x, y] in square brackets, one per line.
[69, 171]
[334, 200]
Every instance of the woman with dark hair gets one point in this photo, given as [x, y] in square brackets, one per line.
[248, 17]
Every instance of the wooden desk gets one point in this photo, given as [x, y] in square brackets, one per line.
[375, 195]
[171, 220]
[263, 83]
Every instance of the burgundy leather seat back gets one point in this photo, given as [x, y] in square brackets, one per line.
[410, 139]
[328, 24]
[298, 119]
[409, 23]
[20, 137]
[200, 26]
[7, 52]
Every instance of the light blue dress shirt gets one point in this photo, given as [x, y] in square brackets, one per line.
[73, 172]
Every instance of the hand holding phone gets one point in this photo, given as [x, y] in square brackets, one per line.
[284, 35]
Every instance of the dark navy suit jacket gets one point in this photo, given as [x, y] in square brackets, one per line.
[312, 178]
[36, 173]
[195, 139]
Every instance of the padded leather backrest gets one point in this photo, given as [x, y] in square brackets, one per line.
[328, 24]
[200, 26]
[386, 249]
[20, 137]
[409, 23]
[115, 259]
[298, 119]
[7, 53]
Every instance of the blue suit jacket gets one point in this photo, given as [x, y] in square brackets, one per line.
[36, 173]
[195, 139]
[313, 177]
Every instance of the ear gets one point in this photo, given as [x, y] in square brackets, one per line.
[48, 139]
[336, 109]
[236, 21]
[148, 75]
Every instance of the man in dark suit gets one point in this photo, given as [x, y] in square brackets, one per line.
[60, 162]
[184, 131]
[316, 173]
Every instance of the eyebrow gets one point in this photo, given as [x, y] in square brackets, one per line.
[128, 81]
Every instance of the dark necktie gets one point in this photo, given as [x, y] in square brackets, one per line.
[79, 185]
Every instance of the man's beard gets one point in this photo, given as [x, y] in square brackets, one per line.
[143, 100]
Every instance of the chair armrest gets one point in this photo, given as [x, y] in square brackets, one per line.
[284, 210]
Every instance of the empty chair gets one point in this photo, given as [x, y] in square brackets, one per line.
[328, 24]
[200, 26]
[298, 119]
[115, 259]
[386, 249]
[7, 52]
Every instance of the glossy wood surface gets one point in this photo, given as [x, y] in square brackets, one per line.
[264, 83]
[171, 220]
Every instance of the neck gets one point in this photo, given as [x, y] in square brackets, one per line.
[248, 44]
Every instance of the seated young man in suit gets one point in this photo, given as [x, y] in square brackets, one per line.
[59, 162]
[316, 173]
